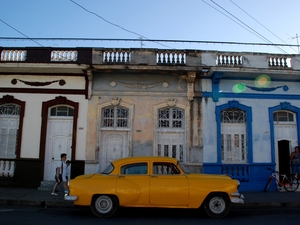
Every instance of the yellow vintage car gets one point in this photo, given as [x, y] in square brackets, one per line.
[156, 182]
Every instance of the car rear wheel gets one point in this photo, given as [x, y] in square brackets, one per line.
[217, 205]
[104, 205]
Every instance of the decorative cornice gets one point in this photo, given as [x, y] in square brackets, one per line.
[285, 105]
[139, 85]
[171, 102]
[115, 101]
[37, 83]
[233, 104]
[60, 100]
[263, 89]
[8, 98]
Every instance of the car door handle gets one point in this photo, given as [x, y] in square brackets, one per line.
[153, 176]
[121, 176]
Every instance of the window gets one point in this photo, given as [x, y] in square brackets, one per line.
[170, 118]
[9, 129]
[165, 168]
[233, 136]
[283, 117]
[61, 111]
[115, 117]
[171, 133]
[138, 168]
[108, 169]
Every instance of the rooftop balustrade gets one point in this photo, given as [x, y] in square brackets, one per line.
[150, 57]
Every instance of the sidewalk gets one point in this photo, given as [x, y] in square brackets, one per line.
[39, 198]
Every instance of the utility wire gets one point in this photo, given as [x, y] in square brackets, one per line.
[116, 25]
[261, 36]
[150, 40]
[229, 17]
[260, 23]
[27, 38]
[21, 33]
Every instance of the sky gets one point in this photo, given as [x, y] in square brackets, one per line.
[239, 21]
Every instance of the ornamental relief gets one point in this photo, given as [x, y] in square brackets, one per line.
[37, 83]
[139, 85]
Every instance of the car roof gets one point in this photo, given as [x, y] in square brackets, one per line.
[144, 159]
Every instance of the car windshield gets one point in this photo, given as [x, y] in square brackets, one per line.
[108, 169]
[185, 170]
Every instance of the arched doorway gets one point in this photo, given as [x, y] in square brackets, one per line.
[67, 140]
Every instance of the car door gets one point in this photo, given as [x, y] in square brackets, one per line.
[168, 186]
[133, 184]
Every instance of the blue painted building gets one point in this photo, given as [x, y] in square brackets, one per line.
[251, 117]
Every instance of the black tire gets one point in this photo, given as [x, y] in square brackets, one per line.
[291, 184]
[217, 205]
[268, 184]
[104, 205]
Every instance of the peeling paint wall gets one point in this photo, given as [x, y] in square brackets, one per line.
[144, 93]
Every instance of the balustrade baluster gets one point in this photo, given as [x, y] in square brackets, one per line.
[110, 56]
[128, 56]
[285, 62]
[105, 56]
[119, 57]
[281, 62]
[164, 57]
[168, 57]
[123, 56]
[6, 168]
[12, 169]
[159, 58]
[115, 57]
[223, 60]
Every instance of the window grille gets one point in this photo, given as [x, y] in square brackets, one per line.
[170, 118]
[115, 117]
[283, 116]
[10, 109]
[233, 116]
[61, 111]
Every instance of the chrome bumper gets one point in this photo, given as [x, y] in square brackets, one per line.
[70, 198]
[237, 198]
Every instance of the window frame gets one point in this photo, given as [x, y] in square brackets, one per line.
[138, 165]
[113, 121]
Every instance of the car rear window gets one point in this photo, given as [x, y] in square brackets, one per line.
[137, 168]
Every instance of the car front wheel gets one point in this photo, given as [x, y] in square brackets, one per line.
[217, 205]
[104, 205]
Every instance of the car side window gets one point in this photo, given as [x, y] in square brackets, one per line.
[137, 168]
[165, 168]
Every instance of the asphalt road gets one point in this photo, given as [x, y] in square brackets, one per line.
[74, 216]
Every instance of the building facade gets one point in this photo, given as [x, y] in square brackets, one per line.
[43, 102]
[217, 112]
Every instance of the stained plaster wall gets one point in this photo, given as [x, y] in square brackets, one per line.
[144, 102]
